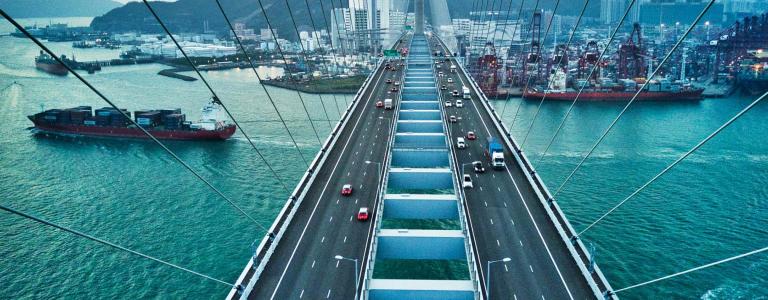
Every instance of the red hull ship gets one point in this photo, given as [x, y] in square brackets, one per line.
[615, 96]
[47, 64]
[166, 124]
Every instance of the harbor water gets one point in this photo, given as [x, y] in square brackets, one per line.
[713, 205]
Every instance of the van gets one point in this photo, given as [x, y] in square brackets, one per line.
[460, 143]
[465, 91]
[453, 68]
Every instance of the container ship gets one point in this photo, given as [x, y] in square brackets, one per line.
[620, 90]
[168, 124]
[48, 64]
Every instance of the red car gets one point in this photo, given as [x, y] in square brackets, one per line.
[346, 190]
[362, 214]
[471, 135]
[379, 104]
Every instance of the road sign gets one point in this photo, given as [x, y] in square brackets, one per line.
[408, 27]
[391, 53]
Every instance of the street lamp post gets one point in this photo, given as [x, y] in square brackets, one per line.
[706, 24]
[339, 257]
[378, 165]
[488, 280]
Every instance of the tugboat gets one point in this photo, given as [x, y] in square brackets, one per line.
[168, 124]
[48, 64]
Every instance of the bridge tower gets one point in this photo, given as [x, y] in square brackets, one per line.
[419, 10]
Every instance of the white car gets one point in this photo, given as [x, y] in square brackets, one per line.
[467, 182]
[459, 103]
[450, 80]
[453, 119]
[448, 104]
[460, 143]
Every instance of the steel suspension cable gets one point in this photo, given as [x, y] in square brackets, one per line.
[677, 161]
[471, 24]
[712, 264]
[306, 60]
[110, 244]
[514, 31]
[473, 31]
[506, 22]
[343, 41]
[194, 67]
[312, 20]
[133, 122]
[560, 61]
[583, 85]
[538, 59]
[494, 20]
[605, 133]
[519, 103]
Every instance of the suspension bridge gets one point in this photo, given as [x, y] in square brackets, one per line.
[421, 160]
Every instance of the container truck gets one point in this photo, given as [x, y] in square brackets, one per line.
[495, 153]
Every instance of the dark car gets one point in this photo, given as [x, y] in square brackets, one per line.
[478, 167]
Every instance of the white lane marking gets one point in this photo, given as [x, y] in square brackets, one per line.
[337, 201]
[349, 173]
[505, 268]
[330, 220]
[345, 239]
[304, 231]
[494, 175]
[470, 153]
[356, 152]
[530, 266]
[491, 221]
[498, 188]
[364, 173]
[329, 294]
[542, 297]
[302, 294]
[505, 203]
[353, 162]
[313, 264]
[498, 243]
[355, 201]
[486, 203]
[337, 263]
[515, 296]
[521, 243]
[361, 186]
[530, 215]
[513, 222]
[322, 240]
[350, 218]
[481, 188]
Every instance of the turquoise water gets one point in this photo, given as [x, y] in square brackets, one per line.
[711, 206]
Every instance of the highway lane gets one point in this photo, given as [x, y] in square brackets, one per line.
[303, 266]
[507, 219]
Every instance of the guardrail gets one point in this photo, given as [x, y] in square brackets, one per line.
[464, 219]
[367, 263]
[266, 248]
[597, 281]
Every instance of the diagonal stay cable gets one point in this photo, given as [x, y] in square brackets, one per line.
[285, 61]
[608, 130]
[583, 85]
[506, 22]
[333, 51]
[518, 25]
[133, 122]
[108, 243]
[306, 60]
[194, 67]
[342, 40]
[471, 23]
[317, 37]
[560, 61]
[677, 161]
[712, 264]
[538, 59]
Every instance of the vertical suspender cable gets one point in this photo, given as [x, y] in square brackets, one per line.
[608, 130]
[184, 53]
[110, 244]
[112, 104]
[560, 61]
[583, 85]
[677, 161]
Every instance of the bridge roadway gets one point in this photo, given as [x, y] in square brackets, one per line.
[303, 264]
[505, 216]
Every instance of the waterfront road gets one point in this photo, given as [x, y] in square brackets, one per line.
[325, 225]
[506, 217]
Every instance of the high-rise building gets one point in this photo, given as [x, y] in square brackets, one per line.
[611, 11]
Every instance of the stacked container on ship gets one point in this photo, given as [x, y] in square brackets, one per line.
[109, 122]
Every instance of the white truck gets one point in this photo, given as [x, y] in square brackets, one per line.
[453, 68]
[387, 103]
[466, 92]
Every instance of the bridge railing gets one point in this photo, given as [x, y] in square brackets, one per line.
[473, 259]
[268, 244]
[577, 249]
